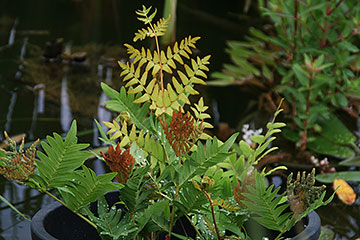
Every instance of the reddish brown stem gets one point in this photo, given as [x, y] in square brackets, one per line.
[304, 136]
[296, 9]
[212, 213]
[341, 38]
[323, 39]
[329, 10]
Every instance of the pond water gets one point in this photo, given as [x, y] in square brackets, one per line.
[40, 97]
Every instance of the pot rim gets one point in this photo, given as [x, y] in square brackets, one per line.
[37, 221]
[311, 231]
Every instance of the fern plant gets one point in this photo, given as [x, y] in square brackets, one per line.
[167, 168]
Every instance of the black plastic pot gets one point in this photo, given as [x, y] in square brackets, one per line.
[55, 222]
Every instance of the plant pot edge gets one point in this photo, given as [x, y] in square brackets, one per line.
[38, 232]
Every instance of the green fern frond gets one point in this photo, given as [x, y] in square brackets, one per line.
[200, 115]
[154, 218]
[204, 158]
[130, 194]
[61, 158]
[144, 141]
[87, 188]
[121, 101]
[144, 12]
[156, 30]
[238, 168]
[189, 199]
[268, 209]
[110, 221]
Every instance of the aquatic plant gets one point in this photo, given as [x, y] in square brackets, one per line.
[165, 171]
[308, 56]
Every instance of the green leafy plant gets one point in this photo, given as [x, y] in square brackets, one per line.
[309, 57]
[167, 168]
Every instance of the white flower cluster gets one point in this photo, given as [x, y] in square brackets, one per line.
[248, 133]
[323, 164]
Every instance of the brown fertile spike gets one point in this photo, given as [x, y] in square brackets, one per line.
[18, 165]
[122, 163]
[182, 132]
[302, 192]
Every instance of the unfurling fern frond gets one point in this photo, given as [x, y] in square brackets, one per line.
[57, 165]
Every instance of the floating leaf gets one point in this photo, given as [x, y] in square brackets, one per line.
[345, 193]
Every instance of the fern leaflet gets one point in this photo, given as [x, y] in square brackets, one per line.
[87, 188]
[121, 101]
[111, 222]
[61, 158]
[267, 207]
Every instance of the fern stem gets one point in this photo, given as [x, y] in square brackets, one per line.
[285, 228]
[77, 213]
[158, 50]
[195, 227]
[14, 208]
[212, 213]
[173, 212]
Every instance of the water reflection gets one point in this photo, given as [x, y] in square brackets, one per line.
[11, 225]
[13, 33]
[39, 106]
[102, 113]
[65, 110]
[10, 111]
[23, 49]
